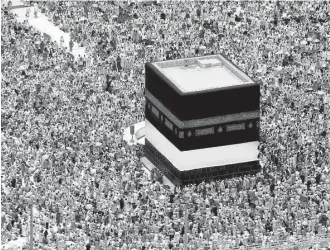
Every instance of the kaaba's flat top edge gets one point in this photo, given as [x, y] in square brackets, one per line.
[202, 74]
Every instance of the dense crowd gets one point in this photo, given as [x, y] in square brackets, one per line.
[62, 124]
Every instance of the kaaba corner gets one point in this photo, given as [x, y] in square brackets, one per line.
[202, 119]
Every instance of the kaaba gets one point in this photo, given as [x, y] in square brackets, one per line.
[202, 119]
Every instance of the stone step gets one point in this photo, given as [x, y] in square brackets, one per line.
[18, 7]
[149, 166]
[145, 161]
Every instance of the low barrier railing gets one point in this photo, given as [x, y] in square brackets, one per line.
[322, 240]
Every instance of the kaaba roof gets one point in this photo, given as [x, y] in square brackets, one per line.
[202, 96]
[202, 74]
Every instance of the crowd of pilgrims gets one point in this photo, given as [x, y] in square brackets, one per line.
[63, 120]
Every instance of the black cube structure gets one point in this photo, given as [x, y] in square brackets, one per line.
[202, 119]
